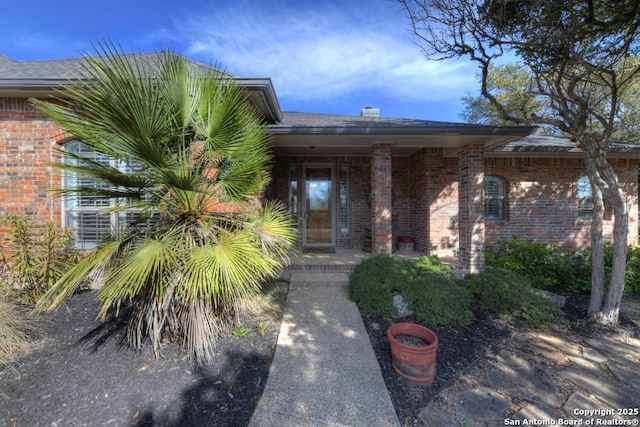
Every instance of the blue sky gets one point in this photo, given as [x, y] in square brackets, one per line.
[322, 56]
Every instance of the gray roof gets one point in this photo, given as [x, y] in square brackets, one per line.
[315, 123]
[549, 145]
[49, 71]
[40, 78]
[332, 134]
[53, 69]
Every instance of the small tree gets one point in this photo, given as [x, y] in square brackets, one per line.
[192, 144]
[581, 55]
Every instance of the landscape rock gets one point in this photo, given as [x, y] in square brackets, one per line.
[481, 405]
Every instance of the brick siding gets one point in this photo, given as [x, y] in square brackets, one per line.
[422, 189]
[27, 147]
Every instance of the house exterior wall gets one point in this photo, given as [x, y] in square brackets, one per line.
[541, 200]
[433, 189]
[27, 147]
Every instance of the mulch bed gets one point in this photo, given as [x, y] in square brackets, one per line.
[461, 347]
[458, 349]
[82, 373]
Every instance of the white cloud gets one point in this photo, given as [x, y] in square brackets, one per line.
[322, 52]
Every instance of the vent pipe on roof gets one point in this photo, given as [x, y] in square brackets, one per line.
[370, 112]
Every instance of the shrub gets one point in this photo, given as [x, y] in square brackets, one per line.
[427, 285]
[438, 299]
[536, 261]
[552, 267]
[40, 254]
[375, 281]
[510, 295]
[632, 278]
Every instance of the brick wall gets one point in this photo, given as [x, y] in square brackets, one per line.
[381, 199]
[27, 142]
[540, 191]
[540, 199]
[541, 204]
[434, 201]
[471, 226]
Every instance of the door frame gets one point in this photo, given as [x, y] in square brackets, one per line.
[332, 209]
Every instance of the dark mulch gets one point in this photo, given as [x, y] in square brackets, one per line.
[461, 347]
[82, 373]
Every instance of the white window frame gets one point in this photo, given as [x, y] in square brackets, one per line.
[584, 198]
[76, 207]
[499, 199]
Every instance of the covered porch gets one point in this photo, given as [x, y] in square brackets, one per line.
[363, 182]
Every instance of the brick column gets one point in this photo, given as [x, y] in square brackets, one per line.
[470, 207]
[381, 226]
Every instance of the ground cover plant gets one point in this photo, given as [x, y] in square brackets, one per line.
[511, 296]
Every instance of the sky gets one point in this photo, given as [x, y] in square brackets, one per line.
[322, 56]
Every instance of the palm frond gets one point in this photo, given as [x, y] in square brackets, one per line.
[190, 138]
[96, 261]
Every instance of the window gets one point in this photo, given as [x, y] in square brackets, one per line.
[88, 216]
[293, 194]
[344, 199]
[585, 198]
[494, 198]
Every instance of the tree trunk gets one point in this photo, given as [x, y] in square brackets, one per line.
[597, 252]
[616, 197]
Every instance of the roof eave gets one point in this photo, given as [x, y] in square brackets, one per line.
[260, 91]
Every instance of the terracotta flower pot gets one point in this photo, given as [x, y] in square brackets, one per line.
[405, 239]
[416, 363]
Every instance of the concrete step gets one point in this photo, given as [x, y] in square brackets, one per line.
[320, 279]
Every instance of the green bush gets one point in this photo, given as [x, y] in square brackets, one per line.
[552, 267]
[39, 254]
[427, 285]
[375, 281]
[510, 295]
[632, 278]
[438, 299]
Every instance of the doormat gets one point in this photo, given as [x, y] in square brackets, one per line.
[319, 250]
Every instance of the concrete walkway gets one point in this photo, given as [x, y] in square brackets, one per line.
[324, 371]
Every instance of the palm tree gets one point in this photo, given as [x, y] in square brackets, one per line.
[191, 142]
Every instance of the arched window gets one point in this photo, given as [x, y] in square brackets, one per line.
[494, 198]
[585, 198]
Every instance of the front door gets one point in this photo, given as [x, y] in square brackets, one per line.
[318, 206]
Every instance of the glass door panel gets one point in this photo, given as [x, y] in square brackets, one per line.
[318, 206]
